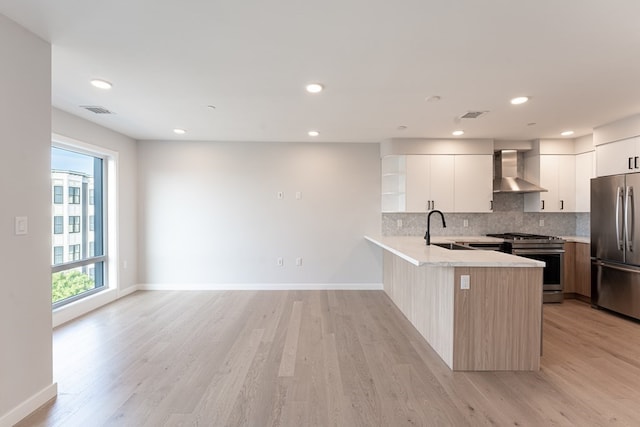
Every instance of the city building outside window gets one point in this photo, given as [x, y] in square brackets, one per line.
[74, 195]
[81, 269]
[74, 224]
[58, 224]
[58, 195]
[74, 252]
[58, 255]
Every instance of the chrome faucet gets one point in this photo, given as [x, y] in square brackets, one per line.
[427, 235]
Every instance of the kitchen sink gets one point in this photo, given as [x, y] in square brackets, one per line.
[453, 246]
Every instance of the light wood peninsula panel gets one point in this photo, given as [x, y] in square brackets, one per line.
[498, 319]
[494, 325]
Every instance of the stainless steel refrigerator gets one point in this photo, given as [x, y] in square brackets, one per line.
[615, 243]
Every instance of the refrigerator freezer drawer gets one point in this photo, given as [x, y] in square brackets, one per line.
[617, 288]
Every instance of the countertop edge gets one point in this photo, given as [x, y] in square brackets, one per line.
[412, 250]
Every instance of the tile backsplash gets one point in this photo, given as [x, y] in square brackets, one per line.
[508, 215]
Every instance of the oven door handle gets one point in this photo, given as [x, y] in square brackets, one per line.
[536, 251]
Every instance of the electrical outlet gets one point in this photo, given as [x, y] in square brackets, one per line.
[299, 261]
[464, 281]
[465, 222]
[280, 262]
[542, 223]
[280, 195]
[399, 223]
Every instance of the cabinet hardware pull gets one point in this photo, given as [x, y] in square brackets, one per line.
[630, 162]
[635, 162]
[542, 204]
[561, 205]
[491, 204]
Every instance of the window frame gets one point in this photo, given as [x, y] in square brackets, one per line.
[106, 201]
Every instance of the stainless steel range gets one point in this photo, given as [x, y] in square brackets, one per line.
[548, 249]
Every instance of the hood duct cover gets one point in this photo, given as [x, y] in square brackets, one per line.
[506, 178]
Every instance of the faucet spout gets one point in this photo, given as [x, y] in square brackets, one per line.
[427, 235]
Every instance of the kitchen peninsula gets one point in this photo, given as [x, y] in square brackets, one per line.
[479, 310]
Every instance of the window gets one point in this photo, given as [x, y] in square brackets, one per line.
[58, 225]
[58, 196]
[84, 270]
[74, 224]
[74, 252]
[91, 197]
[74, 195]
[58, 254]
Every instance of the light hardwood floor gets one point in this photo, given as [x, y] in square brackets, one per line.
[323, 358]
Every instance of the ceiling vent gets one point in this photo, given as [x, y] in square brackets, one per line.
[473, 114]
[97, 109]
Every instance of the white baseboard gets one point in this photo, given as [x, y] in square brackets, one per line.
[29, 405]
[127, 291]
[257, 286]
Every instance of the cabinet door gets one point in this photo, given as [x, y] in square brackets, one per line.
[441, 182]
[583, 269]
[585, 170]
[417, 179]
[558, 177]
[569, 268]
[473, 187]
[566, 183]
[550, 200]
[617, 157]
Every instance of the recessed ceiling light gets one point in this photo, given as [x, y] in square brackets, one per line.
[179, 131]
[519, 100]
[567, 133]
[402, 127]
[313, 133]
[457, 132]
[212, 107]
[314, 87]
[434, 98]
[101, 84]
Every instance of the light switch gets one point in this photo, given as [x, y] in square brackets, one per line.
[464, 281]
[22, 225]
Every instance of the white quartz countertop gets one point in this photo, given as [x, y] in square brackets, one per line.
[577, 239]
[414, 250]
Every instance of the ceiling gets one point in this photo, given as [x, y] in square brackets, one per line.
[578, 60]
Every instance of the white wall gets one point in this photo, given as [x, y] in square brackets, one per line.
[82, 130]
[25, 275]
[209, 213]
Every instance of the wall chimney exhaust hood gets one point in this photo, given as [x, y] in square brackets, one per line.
[506, 175]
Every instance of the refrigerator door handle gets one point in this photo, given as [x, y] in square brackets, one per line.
[619, 200]
[629, 219]
[619, 267]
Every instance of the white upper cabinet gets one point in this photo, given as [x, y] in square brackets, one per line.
[429, 182]
[473, 183]
[557, 174]
[450, 183]
[618, 157]
[585, 170]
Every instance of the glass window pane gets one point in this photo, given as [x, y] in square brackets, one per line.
[69, 284]
[82, 210]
